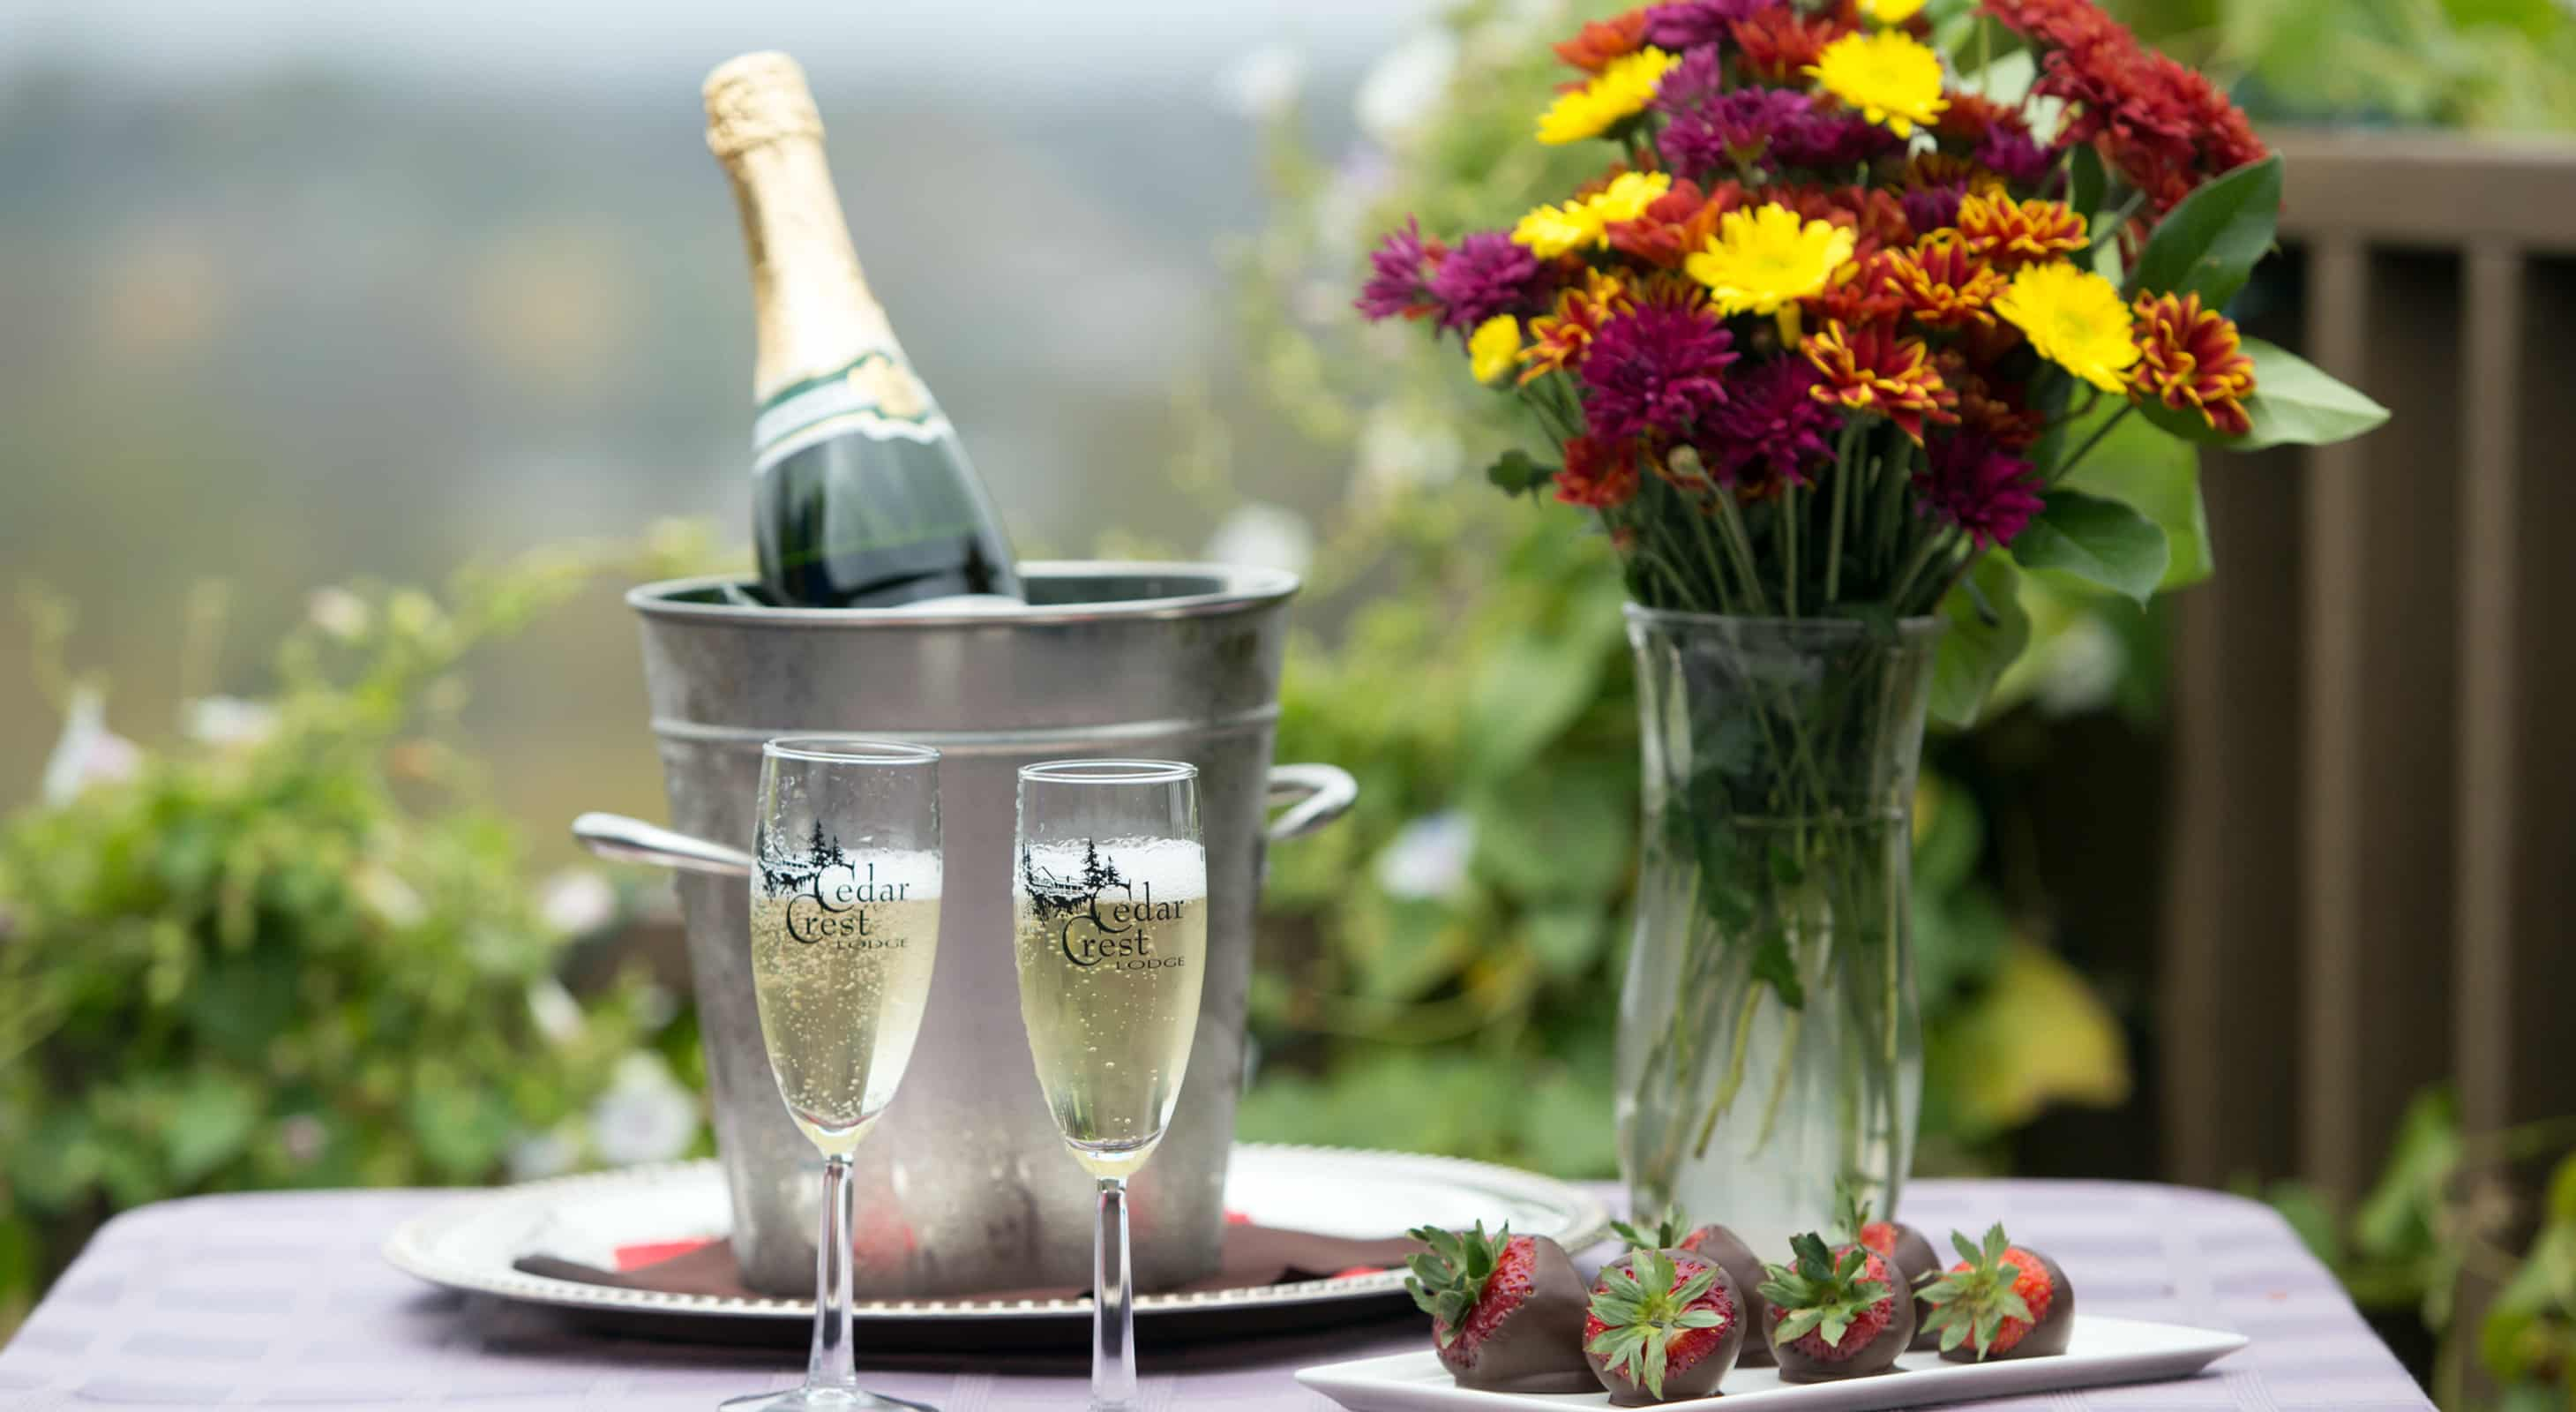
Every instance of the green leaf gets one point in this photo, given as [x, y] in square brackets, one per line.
[1516, 472]
[2296, 403]
[1698, 1319]
[2090, 182]
[1526, 694]
[1773, 966]
[1566, 937]
[2098, 541]
[1973, 652]
[211, 1123]
[2209, 244]
[2141, 464]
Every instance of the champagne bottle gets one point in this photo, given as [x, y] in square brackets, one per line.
[861, 495]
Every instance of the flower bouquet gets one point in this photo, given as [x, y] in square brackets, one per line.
[1822, 350]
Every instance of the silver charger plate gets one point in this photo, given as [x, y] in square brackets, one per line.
[469, 1244]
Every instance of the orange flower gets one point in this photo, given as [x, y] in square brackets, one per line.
[1598, 473]
[1677, 224]
[1876, 218]
[1558, 341]
[1597, 43]
[1871, 369]
[1778, 44]
[1860, 293]
[2190, 360]
[2016, 233]
[1970, 115]
[1944, 286]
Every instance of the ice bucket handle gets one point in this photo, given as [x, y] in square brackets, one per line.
[1315, 795]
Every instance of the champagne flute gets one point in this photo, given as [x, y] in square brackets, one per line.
[844, 929]
[1110, 908]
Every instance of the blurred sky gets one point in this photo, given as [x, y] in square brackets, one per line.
[296, 291]
[1006, 47]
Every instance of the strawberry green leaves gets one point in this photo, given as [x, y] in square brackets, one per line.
[1643, 1306]
[1820, 1292]
[1667, 1233]
[1974, 1301]
[1450, 1276]
[2209, 244]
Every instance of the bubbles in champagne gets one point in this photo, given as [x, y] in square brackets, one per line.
[1112, 943]
[840, 964]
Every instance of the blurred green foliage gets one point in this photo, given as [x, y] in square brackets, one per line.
[293, 948]
[2473, 1235]
[2485, 65]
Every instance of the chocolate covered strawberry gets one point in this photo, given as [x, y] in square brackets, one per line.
[2001, 1301]
[1917, 1263]
[1665, 1325]
[1734, 1256]
[1507, 1312]
[1836, 1312]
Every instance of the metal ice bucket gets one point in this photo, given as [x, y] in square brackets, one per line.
[964, 1185]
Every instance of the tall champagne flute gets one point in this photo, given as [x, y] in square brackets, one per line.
[844, 930]
[1109, 900]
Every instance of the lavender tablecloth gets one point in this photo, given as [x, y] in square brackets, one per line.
[280, 1300]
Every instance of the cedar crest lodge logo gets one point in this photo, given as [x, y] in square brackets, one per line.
[828, 895]
[1098, 917]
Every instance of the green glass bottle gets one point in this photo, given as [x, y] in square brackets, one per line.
[862, 496]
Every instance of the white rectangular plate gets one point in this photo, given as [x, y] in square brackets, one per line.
[2102, 1350]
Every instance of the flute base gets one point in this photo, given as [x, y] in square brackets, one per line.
[822, 1399]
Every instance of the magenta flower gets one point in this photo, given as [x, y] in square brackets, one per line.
[1929, 208]
[1485, 275]
[1397, 282]
[1741, 126]
[2015, 157]
[1771, 429]
[1980, 487]
[1693, 24]
[1832, 139]
[1655, 370]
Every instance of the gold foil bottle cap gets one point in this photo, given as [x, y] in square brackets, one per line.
[755, 99]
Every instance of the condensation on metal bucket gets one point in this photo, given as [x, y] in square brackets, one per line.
[964, 1186]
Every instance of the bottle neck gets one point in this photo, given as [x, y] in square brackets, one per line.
[810, 304]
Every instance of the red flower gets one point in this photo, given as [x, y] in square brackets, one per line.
[1861, 292]
[1596, 44]
[2189, 359]
[1677, 224]
[1978, 486]
[1597, 473]
[1871, 369]
[2163, 127]
[1778, 44]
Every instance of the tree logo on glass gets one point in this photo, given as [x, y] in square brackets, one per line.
[828, 894]
[1089, 929]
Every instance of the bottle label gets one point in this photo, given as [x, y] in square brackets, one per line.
[877, 396]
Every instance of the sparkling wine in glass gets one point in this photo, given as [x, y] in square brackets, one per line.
[1110, 905]
[844, 931]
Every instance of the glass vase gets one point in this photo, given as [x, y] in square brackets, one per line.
[1770, 1043]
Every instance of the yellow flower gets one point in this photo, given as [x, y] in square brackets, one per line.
[1891, 12]
[1551, 231]
[1494, 349]
[1622, 89]
[1628, 195]
[2075, 319]
[1892, 77]
[1760, 260]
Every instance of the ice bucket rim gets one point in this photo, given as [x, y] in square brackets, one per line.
[1241, 587]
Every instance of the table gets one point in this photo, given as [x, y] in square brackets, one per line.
[280, 1300]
